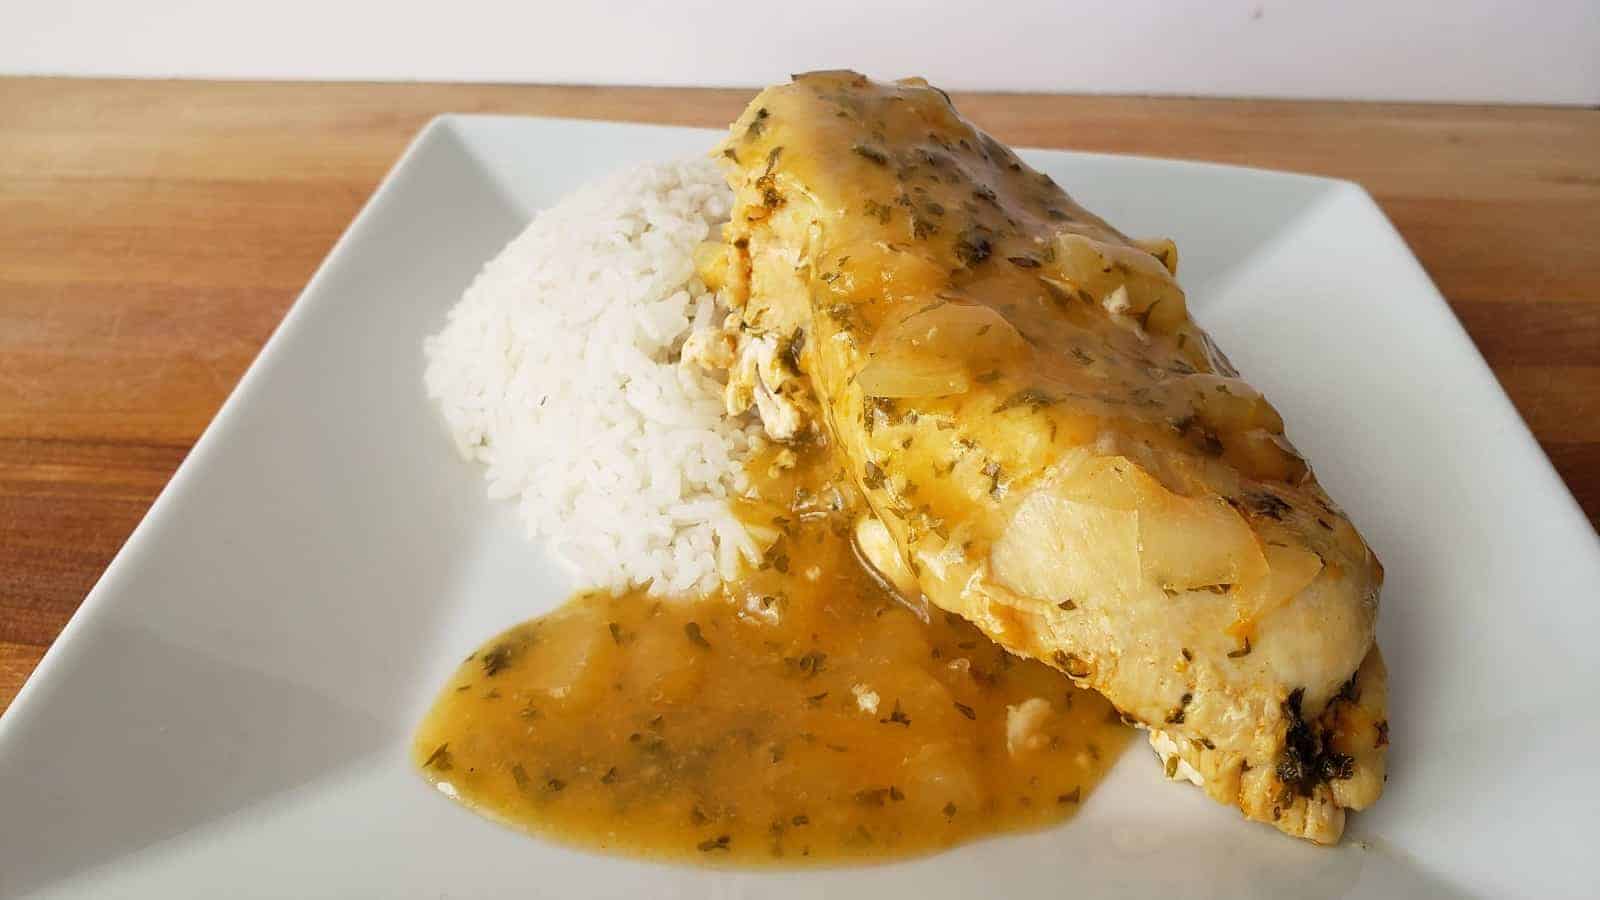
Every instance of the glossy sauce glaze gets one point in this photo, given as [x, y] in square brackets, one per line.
[1052, 447]
[802, 715]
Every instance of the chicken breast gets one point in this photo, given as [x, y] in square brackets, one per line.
[1049, 445]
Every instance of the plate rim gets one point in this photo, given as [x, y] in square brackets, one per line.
[98, 599]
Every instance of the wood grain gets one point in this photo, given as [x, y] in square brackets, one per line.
[153, 233]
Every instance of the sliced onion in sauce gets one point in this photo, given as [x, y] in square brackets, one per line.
[940, 351]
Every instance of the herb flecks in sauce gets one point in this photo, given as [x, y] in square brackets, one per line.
[700, 730]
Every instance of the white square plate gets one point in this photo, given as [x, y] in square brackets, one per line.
[229, 713]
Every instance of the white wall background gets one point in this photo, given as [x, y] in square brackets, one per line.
[1538, 51]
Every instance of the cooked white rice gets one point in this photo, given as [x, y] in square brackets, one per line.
[558, 371]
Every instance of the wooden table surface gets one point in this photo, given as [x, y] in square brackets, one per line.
[152, 234]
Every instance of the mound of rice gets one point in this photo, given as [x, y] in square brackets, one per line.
[558, 370]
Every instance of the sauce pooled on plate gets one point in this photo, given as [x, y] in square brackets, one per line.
[802, 714]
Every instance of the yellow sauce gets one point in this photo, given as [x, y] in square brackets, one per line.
[801, 715]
